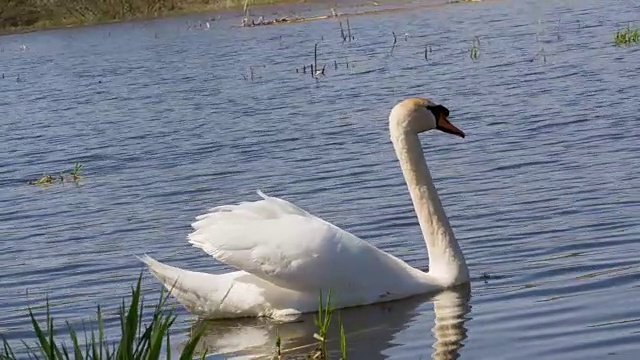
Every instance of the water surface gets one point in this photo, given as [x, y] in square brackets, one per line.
[169, 121]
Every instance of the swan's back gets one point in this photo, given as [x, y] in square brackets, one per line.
[290, 248]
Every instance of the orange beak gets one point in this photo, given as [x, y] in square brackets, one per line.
[443, 124]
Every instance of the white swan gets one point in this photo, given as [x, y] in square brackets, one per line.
[286, 256]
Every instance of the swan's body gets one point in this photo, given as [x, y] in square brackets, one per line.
[286, 256]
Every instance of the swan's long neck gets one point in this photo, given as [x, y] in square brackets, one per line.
[446, 262]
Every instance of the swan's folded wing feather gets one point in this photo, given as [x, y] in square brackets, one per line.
[283, 244]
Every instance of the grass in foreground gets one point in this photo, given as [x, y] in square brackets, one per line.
[137, 341]
[143, 341]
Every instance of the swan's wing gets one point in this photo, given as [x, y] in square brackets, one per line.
[285, 245]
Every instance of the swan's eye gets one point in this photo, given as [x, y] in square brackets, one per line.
[438, 110]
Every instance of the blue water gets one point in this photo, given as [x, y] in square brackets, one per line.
[168, 121]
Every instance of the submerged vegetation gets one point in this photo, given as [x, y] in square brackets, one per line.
[627, 37]
[74, 176]
[140, 337]
[474, 51]
[37, 14]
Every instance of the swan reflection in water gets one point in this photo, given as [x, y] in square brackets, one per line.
[371, 331]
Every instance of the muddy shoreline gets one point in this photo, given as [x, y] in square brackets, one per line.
[284, 6]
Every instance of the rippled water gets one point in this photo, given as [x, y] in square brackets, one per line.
[543, 193]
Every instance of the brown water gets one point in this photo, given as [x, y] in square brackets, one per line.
[542, 194]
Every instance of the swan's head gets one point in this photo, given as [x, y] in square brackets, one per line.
[418, 115]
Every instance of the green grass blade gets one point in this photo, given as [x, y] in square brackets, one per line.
[43, 344]
[142, 346]
[86, 340]
[139, 331]
[50, 331]
[168, 346]
[164, 323]
[328, 313]
[190, 347]
[343, 338]
[53, 348]
[77, 352]
[30, 351]
[65, 353]
[317, 317]
[93, 344]
[120, 351]
[129, 323]
[101, 339]
[8, 351]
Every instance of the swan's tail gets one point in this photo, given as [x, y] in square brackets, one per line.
[196, 291]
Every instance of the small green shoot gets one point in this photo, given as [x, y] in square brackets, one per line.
[278, 352]
[77, 168]
[343, 339]
[322, 321]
